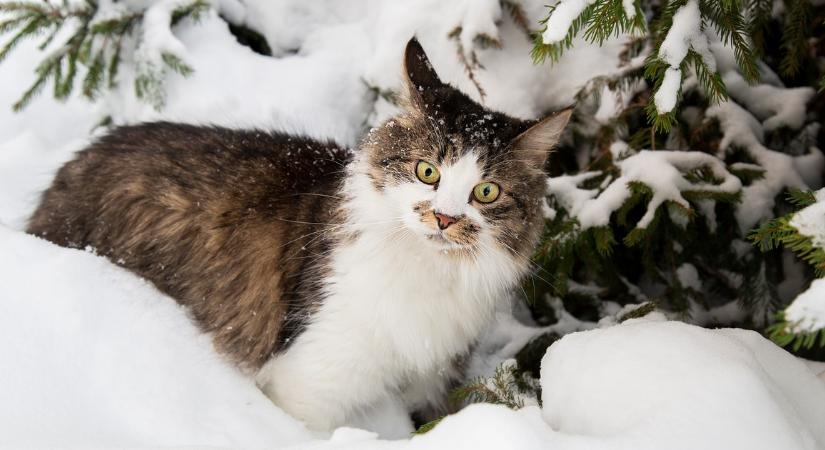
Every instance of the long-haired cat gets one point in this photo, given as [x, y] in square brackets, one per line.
[341, 278]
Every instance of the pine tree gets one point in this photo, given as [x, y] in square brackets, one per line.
[618, 231]
[97, 44]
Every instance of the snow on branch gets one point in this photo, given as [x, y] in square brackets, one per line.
[802, 323]
[90, 40]
[561, 19]
[741, 130]
[806, 315]
[670, 176]
[686, 33]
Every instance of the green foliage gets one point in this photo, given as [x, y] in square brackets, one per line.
[428, 426]
[599, 21]
[508, 387]
[782, 333]
[795, 36]
[779, 232]
[740, 25]
[503, 388]
[97, 46]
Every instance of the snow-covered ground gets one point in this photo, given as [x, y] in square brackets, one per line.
[91, 355]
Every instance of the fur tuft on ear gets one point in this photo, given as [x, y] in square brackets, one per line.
[419, 73]
[535, 144]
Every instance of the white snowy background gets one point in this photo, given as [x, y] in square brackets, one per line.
[92, 355]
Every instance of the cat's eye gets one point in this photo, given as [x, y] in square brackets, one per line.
[427, 172]
[486, 192]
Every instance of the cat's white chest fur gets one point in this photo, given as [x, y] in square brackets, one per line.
[395, 315]
[392, 318]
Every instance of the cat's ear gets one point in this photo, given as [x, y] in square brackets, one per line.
[535, 144]
[421, 78]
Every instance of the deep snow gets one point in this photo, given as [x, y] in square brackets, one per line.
[92, 355]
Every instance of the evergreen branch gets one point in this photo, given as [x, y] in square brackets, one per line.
[428, 426]
[732, 28]
[746, 173]
[472, 64]
[609, 19]
[193, 10]
[782, 332]
[501, 389]
[35, 88]
[516, 11]
[177, 64]
[801, 198]
[9, 24]
[759, 12]
[779, 232]
[94, 77]
[542, 52]
[795, 36]
[33, 27]
[711, 81]
[639, 311]
[29, 19]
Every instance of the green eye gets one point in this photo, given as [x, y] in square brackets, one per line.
[427, 172]
[486, 192]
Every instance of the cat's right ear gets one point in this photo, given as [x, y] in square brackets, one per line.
[420, 76]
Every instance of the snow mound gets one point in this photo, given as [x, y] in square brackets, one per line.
[92, 355]
[649, 384]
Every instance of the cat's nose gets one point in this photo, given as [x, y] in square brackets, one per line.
[444, 220]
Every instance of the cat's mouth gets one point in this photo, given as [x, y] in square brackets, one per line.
[444, 243]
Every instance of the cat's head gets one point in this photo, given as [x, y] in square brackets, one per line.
[456, 175]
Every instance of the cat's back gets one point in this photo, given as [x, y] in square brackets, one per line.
[209, 154]
[220, 219]
[186, 167]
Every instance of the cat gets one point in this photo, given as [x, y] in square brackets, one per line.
[340, 278]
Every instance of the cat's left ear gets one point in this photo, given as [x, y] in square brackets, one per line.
[535, 144]
[421, 78]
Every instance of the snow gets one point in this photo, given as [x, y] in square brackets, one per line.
[689, 277]
[643, 382]
[807, 312]
[662, 171]
[668, 91]
[741, 129]
[774, 104]
[685, 34]
[560, 21]
[629, 7]
[686, 29]
[810, 221]
[92, 355]
[143, 377]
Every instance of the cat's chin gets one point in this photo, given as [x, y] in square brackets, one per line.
[440, 243]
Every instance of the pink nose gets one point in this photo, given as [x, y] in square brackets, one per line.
[444, 220]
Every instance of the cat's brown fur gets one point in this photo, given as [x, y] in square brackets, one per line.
[225, 221]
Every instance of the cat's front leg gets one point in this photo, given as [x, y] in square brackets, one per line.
[323, 387]
[426, 394]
